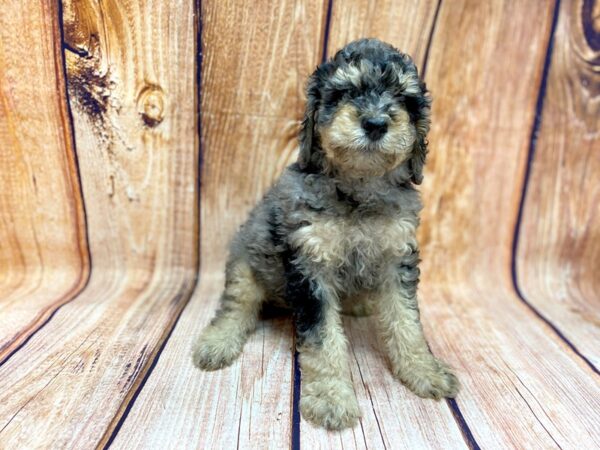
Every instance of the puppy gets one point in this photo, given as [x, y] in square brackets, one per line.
[336, 233]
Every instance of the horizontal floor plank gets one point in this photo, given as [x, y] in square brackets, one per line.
[392, 416]
[521, 385]
[248, 403]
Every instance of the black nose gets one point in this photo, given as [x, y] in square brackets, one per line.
[375, 127]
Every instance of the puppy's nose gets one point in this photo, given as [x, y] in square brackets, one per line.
[375, 127]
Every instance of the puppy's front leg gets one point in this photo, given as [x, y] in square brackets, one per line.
[328, 397]
[402, 334]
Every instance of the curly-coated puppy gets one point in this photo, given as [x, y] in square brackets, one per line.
[337, 233]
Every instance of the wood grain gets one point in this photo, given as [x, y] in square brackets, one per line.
[82, 380]
[131, 74]
[406, 25]
[256, 57]
[246, 404]
[559, 247]
[522, 385]
[43, 254]
[392, 416]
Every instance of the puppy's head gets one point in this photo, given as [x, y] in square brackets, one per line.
[367, 114]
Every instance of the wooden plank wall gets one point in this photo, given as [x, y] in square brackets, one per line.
[118, 198]
[43, 252]
[559, 257]
[131, 95]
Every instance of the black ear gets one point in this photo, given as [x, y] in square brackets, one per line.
[307, 131]
[419, 153]
[417, 161]
[309, 145]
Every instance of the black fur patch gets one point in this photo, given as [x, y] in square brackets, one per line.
[274, 231]
[414, 106]
[346, 198]
[307, 306]
[299, 292]
[308, 170]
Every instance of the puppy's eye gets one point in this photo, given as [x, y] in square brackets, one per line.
[335, 95]
[400, 98]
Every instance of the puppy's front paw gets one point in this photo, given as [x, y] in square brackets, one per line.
[430, 378]
[216, 348]
[329, 403]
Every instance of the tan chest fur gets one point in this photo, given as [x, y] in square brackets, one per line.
[332, 241]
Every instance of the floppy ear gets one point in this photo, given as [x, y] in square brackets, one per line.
[419, 153]
[417, 160]
[308, 138]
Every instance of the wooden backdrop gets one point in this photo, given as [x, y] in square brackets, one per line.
[135, 135]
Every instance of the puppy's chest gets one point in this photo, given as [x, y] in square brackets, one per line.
[355, 246]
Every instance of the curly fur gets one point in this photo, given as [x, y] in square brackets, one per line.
[337, 232]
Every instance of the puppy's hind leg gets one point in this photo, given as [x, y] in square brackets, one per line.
[402, 334]
[223, 339]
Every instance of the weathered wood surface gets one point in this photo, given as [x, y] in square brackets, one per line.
[84, 380]
[406, 25]
[256, 58]
[248, 403]
[392, 417]
[558, 265]
[43, 254]
[131, 73]
[523, 387]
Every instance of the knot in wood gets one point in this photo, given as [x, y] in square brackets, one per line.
[151, 105]
[590, 20]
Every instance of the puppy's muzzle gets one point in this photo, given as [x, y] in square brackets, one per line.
[375, 127]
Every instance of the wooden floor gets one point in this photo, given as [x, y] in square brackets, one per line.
[136, 135]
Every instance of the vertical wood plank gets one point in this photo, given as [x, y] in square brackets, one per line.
[131, 74]
[559, 247]
[522, 385]
[256, 57]
[406, 25]
[392, 417]
[43, 254]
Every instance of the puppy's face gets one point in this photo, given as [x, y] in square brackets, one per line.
[370, 110]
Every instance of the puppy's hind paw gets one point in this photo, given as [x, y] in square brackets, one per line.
[330, 404]
[216, 350]
[431, 380]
